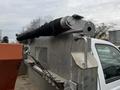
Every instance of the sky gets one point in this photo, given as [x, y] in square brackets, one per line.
[16, 14]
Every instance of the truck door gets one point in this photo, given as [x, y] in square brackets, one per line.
[108, 58]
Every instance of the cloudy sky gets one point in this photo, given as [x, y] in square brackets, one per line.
[15, 14]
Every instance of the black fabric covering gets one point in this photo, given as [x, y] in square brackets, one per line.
[52, 28]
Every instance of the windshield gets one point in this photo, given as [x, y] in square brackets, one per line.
[110, 60]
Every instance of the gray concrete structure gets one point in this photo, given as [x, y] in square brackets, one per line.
[68, 58]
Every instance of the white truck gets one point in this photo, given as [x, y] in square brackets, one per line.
[65, 57]
[108, 59]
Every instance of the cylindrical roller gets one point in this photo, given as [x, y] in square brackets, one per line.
[48, 29]
[55, 27]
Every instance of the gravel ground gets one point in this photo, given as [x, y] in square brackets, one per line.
[23, 83]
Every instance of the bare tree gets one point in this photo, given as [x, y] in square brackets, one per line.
[36, 23]
[101, 30]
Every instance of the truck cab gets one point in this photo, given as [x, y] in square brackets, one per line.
[108, 59]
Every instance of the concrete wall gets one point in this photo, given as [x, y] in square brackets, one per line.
[56, 55]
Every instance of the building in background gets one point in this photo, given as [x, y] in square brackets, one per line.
[114, 37]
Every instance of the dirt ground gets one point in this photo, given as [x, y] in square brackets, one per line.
[23, 83]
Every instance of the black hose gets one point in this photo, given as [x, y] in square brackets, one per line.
[52, 28]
